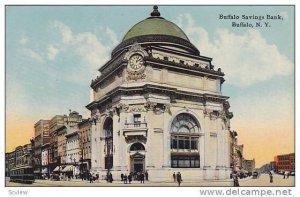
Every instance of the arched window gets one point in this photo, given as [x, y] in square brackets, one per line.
[184, 142]
[137, 147]
[108, 136]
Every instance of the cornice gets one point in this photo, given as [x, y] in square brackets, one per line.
[183, 67]
[173, 93]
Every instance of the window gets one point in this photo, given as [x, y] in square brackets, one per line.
[181, 62]
[137, 118]
[137, 147]
[185, 161]
[166, 58]
[184, 140]
[108, 135]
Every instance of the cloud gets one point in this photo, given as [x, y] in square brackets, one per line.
[52, 52]
[23, 40]
[112, 35]
[65, 31]
[91, 52]
[246, 59]
[33, 55]
[285, 15]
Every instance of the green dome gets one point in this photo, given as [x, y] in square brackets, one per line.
[155, 26]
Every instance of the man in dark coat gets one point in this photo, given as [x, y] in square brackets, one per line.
[91, 178]
[130, 178]
[142, 177]
[235, 178]
[110, 178]
[179, 179]
[174, 177]
[271, 177]
[122, 176]
[146, 175]
[125, 179]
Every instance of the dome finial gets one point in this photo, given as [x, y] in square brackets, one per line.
[155, 11]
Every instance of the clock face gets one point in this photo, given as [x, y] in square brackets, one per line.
[136, 62]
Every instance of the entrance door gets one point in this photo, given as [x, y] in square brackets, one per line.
[137, 163]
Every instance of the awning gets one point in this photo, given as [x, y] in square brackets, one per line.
[37, 171]
[68, 168]
[58, 168]
[45, 170]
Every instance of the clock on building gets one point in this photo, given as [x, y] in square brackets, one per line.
[136, 62]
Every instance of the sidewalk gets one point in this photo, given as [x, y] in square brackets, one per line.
[150, 182]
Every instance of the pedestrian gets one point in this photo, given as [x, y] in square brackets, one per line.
[235, 178]
[179, 178]
[110, 177]
[271, 177]
[130, 178]
[122, 176]
[138, 175]
[142, 177]
[125, 179]
[284, 175]
[91, 178]
[146, 175]
[288, 175]
[174, 177]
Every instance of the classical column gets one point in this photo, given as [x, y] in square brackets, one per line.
[116, 139]
[96, 158]
[166, 141]
[123, 154]
[150, 154]
[206, 140]
[220, 146]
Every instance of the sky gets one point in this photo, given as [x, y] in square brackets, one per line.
[53, 53]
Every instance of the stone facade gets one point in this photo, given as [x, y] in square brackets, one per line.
[85, 132]
[158, 107]
[249, 165]
[41, 133]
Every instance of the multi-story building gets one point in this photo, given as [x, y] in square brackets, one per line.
[158, 107]
[285, 162]
[41, 132]
[59, 126]
[61, 144]
[73, 151]
[240, 157]
[11, 160]
[19, 156]
[85, 145]
[6, 164]
[55, 123]
[45, 159]
[233, 150]
[249, 165]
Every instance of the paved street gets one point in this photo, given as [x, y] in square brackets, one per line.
[263, 180]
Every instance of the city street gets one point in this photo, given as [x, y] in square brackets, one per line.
[263, 180]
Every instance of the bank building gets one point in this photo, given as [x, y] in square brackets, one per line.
[158, 107]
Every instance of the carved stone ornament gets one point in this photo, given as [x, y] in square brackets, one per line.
[134, 76]
[150, 106]
[136, 108]
[157, 108]
[136, 138]
[213, 114]
[123, 107]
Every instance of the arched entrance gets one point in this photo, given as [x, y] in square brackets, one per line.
[137, 158]
[108, 137]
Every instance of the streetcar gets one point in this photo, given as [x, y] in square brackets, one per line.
[22, 174]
